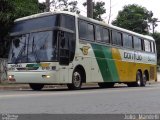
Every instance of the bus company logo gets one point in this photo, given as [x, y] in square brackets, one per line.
[85, 49]
[132, 56]
[16, 66]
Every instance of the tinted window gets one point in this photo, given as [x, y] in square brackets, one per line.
[105, 35]
[68, 22]
[116, 38]
[152, 47]
[137, 43]
[82, 29]
[86, 31]
[36, 47]
[147, 46]
[102, 34]
[99, 33]
[90, 35]
[36, 23]
[127, 41]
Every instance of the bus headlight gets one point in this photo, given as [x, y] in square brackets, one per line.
[11, 78]
[46, 76]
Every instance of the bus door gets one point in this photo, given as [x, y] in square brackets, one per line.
[64, 54]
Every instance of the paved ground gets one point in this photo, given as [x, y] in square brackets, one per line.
[88, 100]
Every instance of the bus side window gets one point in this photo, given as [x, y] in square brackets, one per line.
[90, 35]
[99, 33]
[127, 41]
[147, 46]
[137, 43]
[116, 38]
[82, 29]
[105, 35]
[86, 31]
[152, 47]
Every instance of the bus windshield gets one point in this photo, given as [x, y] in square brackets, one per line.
[34, 47]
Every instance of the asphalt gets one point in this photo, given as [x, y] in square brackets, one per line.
[9, 86]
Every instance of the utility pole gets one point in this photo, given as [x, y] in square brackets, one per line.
[89, 8]
[154, 25]
[110, 8]
[47, 5]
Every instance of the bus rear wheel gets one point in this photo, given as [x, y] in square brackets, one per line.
[76, 80]
[139, 81]
[144, 80]
[106, 85]
[36, 87]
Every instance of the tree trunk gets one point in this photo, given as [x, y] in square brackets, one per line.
[47, 5]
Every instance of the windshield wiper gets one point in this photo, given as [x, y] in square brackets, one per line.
[20, 53]
[34, 49]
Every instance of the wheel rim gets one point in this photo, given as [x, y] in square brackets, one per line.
[138, 80]
[76, 79]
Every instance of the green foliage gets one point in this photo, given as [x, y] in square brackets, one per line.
[153, 22]
[6, 19]
[42, 7]
[98, 10]
[65, 5]
[10, 10]
[25, 7]
[134, 18]
[156, 36]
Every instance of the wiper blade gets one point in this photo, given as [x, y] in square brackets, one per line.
[34, 49]
[20, 53]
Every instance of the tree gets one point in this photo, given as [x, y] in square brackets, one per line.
[156, 36]
[6, 19]
[153, 22]
[134, 18]
[10, 10]
[65, 5]
[98, 10]
[25, 7]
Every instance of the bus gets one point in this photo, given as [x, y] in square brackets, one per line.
[63, 48]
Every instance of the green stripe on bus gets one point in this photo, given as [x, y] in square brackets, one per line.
[106, 63]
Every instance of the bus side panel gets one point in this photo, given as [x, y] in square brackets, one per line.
[105, 63]
[125, 64]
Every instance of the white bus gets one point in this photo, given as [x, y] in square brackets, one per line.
[66, 48]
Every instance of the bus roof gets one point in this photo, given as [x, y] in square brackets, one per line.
[44, 14]
[87, 19]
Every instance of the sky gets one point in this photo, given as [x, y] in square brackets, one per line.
[117, 5]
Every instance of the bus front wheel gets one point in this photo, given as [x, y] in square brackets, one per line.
[76, 80]
[36, 87]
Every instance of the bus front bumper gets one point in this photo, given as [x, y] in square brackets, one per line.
[49, 77]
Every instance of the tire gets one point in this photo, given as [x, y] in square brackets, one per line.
[36, 87]
[76, 80]
[144, 80]
[106, 85]
[138, 82]
[138, 79]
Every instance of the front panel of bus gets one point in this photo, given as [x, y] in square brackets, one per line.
[42, 49]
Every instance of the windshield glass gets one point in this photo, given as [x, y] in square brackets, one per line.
[34, 47]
